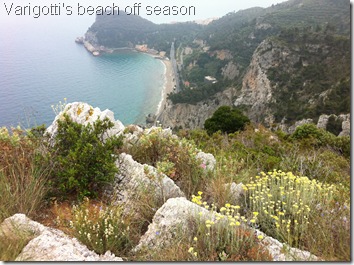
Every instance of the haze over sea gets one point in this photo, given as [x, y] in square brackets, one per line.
[40, 65]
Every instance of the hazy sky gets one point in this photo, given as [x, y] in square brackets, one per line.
[203, 8]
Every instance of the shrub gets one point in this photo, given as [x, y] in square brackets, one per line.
[285, 203]
[23, 175]
[100, 228]
[227, 238]
[226, 120]
[83, 160]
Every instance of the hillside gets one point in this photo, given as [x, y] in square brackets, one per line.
[96, 190]
[121, 31]
[280, 64]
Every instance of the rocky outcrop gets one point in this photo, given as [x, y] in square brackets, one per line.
[194, 116]
[345, 125]
[50, 244]
[230, 71]
[343, 119]
[257, 91]
[172, 218]
[83, 113]
[135, 178]
[173, 215]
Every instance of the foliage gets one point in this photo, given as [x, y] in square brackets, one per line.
[82, 160]
[284, 202]
[246, 153]
[121, 31]
[309, 134]
[290, 207]
[320, 66]
[100, 228]
[23, 175]
[227, 238]
[226, 120]
[177, 158]
[12, 242]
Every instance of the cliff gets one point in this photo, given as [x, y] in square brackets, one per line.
[183, 115]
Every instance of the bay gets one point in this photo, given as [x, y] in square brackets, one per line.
[40, 65]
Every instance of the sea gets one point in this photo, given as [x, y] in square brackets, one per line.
[40, 65]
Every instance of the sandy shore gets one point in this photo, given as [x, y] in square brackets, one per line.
[168, 86]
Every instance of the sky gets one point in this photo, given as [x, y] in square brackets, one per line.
[203, 8]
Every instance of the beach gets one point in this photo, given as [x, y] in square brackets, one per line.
[168, 86]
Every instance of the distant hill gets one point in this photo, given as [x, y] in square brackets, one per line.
[118, 31]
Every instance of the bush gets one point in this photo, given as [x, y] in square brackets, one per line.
[23, 175]
[227, 238]
[100, 228]
[292, 209]
[226, 120]
[83, 161]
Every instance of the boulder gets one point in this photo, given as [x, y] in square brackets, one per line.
[50, 244]
[174, 214]
[282, 252]
[84, 114]
[135, 178]
[323, 121]
[345, 125]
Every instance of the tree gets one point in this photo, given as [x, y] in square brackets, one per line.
[227, 120]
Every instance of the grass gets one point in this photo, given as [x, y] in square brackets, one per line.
[23, 179]
[308, 208]
[11, 244]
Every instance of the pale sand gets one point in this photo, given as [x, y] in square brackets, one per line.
[168, 86]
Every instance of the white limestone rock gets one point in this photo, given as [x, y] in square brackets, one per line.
[282, 252]
[50, 244]
[208, 160]
[345, 125]
[83, 113]
[134, 178]
[174, 214]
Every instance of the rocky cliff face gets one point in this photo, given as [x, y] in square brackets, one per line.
[193, 116]
[272, 99]
[256, 92]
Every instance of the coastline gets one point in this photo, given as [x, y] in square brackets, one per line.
[169, 82]
[167, 88]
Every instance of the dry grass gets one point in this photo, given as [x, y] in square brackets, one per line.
[23, 180]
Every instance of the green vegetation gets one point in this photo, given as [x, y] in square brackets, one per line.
[323, 68]
[317, 32]
[82, 160]
[23, 176]
[121, 31]
[226, 120]
[11, 244]
[296, 186]
[100, 227]
[320, 178]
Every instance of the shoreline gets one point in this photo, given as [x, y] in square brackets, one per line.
[169, 78]
[167, 87]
